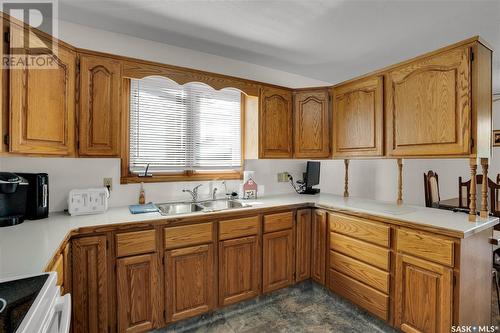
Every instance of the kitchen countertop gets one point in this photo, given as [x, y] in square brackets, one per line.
[27, 248]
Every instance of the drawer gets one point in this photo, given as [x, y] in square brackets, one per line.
[366, 252]
[246, 226]
[280, 221]
[430, 247]
[136, 242]
[360, 228]
[360, 294]
[187, 235]
[360, 271]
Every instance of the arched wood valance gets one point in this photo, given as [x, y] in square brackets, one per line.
[139, 70]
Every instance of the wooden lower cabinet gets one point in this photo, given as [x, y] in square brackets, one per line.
[402, 275]
[318, 246]
[277, 263]
[303, 245]
[239, 269]
[189, 281]
[138, 293]
[90, 285]
[423, 296]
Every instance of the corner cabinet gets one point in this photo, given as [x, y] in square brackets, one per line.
[429, 105]
[311, 124]
[99, 114]
[358, 118]
[42, 106]
[275, 123]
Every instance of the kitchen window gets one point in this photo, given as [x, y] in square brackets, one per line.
[184, 131]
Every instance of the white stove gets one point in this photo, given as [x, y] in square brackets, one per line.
[34, 304]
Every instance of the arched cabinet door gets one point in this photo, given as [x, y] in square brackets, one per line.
[358, 118]
[429, 106]
[312, 120]
[99, 114]
[42, 104]
[275, 123]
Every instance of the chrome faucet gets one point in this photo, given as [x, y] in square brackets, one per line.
[193, 192]
[214, 193]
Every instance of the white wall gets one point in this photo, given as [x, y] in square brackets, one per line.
[120, 44]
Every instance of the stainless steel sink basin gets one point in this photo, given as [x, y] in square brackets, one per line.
[179, 208]
[213, 205]
[174, 208]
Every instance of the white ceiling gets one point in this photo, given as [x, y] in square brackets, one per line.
[326, 40]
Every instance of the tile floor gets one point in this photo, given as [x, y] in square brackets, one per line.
[306, 307]
[303, 308]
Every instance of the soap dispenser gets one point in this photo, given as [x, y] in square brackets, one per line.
[142, 195]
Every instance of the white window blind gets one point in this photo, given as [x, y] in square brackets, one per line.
[183, 127]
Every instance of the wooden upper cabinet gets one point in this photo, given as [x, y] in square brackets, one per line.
[358, 118]
[99, 114]
[311, 124]
[423, 297]
[138, 300]
[275, 123]
[428, 105]
[42, 107]
[90, 285]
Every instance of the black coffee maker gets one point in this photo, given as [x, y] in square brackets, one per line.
[13, 196]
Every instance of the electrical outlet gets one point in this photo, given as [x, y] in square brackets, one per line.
[282, 177]
[108, 182]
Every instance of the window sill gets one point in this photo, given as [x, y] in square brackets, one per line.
[133, 179]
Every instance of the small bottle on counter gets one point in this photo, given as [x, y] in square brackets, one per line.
[142, 195]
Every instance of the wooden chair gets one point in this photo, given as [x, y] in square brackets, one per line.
[493, 188]
[431, 189]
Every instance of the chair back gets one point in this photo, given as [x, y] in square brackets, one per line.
[493, 188]
[431, 189]
[463, 193]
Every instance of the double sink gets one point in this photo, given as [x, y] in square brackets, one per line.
[175, 208]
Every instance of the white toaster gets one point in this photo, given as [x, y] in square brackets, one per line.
[88, 201]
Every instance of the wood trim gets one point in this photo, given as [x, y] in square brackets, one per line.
[400, 181]
[346, 178]
[222, 175]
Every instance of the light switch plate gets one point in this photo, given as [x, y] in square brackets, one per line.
[283, 177]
